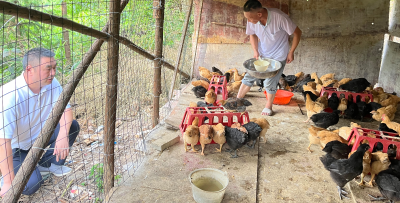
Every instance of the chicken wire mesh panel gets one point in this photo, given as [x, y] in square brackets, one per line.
[134, 101]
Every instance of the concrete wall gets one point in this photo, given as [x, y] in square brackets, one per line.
[394, 18]
[340, 36]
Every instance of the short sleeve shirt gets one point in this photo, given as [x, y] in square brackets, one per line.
[274, 36]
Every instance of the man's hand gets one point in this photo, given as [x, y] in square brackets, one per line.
[256, 55]
[290, 57]
[61, 148]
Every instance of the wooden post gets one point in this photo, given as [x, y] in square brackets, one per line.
[67, 48]
[33, 157]
[178, 60]
[158, 14]
[111, 95]
[197, 40]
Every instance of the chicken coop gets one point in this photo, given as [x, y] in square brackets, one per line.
[125, 69]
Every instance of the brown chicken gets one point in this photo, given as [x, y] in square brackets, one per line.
[264, 124]
[344, 81]
[210, 97]
[191, 135]
[366, 165]
[215, 73]
[328, 82]
[378, 165]
[316, 78]
[299, 77]
[319, 87]
[201, 83]
[205, 73]
[345, 131]
[326, 136]
[236, 76]
[379, 94]
[309, 88]
[392, 100]
[323, 100]
[312, 85]
[343, 105]
[206, 136]
[239, 127]
[392, 125]
[234, 86]
[389, 111]
[312, 137]
[327, 77]
[219, 135]
[312, 107]
[231, 71]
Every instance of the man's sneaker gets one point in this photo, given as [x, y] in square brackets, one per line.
[55, 170]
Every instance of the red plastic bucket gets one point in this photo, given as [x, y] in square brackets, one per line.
[282, 97]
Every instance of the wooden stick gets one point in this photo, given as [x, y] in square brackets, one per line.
[111, 95]
[230, 25]
[69, 184]
[180, 50]
[197, 40]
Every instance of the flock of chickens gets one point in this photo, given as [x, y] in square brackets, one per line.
[343, 164]
[236, 135]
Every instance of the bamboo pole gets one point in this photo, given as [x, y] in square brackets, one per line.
[197, 40]
[35, 153]
[34, 15]
[158, 14]
[178, 60]
[111, 95]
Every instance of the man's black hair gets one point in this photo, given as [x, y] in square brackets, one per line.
[36, 54]
[251, 5]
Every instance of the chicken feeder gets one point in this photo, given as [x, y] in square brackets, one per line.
[272, 70]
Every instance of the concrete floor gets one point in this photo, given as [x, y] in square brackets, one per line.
[282, 170]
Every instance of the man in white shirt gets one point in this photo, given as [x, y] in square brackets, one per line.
[269, 30]
[25, 105]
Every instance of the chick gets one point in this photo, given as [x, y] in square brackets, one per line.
[219, 135]
[316, 79]
[253, 131]
[323, 100]
[342, 105]
[313, 138]
[191, 135]
[344, 170]
[383, 127]
[235, 139]
[337, 149]
[352, 110]
[228, 77]
[388, 182]
[324, 120]
[206, 136]
[205, 73]
[210, 96]
[299, 77]
[344, 81]
[290, 79]
[235, 104]
[378, 165]
[327, 77]
[236, 76]
[312, 107]
[319, 87]
[345, 131]
[310, 89]
[312, 96]
[390, 111]
[392, 100]
[234, 86]
[201, 83]
[366, 166]
[326, 136]
[329, 83]
[264, 124]
[239, 127]
[333, 102]
[356, 85]
[199, 91]
[216, 70]
[392, 125]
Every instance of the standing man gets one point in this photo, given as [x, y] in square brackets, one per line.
[25, 105]
[269, 30]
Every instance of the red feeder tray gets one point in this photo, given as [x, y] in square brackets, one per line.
[214, 114]
[219, 83]
[386, 141]
[331, 90]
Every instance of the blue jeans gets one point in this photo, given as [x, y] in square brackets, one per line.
[35, 181]
[270, 84]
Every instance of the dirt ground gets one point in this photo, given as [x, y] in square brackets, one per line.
[281, 170]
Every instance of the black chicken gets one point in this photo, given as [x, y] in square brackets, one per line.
[324, 120]
[333, 101]
[260, 83]
[214, 69]
[312, 95]
[374, 106]
[290, 79]
[388, 182]
[352, 110]
[228, 77]
[356, 85]
[392, 151]
[199, 91]
[363, 109]
[235, 139]
[383, 127]
[299, 85]
[378, 147]
[337, 149]
[203, 104]
[344, 170]
[253, 131]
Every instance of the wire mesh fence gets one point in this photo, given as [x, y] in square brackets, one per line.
[25, 107]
